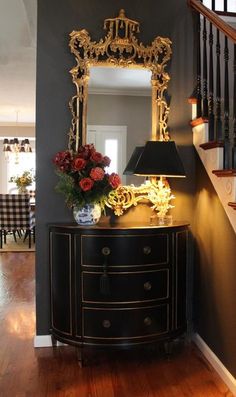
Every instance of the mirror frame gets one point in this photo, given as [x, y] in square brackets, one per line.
[120, 48]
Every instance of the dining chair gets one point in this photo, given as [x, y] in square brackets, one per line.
[32, 194]
[15, 216]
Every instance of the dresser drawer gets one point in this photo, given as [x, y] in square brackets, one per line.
[124, 250]
[126, 287]
[125, 323]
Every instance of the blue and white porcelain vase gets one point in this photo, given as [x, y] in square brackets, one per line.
[87, 215]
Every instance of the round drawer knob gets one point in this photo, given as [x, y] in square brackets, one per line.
[147, 250]
[106, 251]
[106, 323]
[147, 286]
[147, 321]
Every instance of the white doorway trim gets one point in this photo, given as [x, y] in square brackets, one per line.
[97, 134]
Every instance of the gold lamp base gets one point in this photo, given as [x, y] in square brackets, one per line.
[160, 220]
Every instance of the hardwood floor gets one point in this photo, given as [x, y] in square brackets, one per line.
[48, 372]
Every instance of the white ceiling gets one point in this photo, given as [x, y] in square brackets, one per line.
[17, 60]
[120, 81]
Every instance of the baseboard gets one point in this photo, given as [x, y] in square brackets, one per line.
[45, 341]
[222, 371]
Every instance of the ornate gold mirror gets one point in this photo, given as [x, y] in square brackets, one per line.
[120, 48]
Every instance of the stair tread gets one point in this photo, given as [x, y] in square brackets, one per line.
[232, 204]
[225, 173]
[192, 100]
[226, 13]
[198, 121]
[212, 145]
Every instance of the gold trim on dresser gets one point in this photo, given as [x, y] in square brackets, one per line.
[137, 305]
[127, 236]
[125, 309]
[51, 274]
[109, 302]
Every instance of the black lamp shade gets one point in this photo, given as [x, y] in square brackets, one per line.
[129, 169]
[159, 158]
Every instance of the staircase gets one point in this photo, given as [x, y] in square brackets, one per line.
[214, 100]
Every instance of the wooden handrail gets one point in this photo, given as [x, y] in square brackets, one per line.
[228, 30]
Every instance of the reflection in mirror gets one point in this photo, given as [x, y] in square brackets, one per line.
[111, 141]
[120, 48]
[119, 101]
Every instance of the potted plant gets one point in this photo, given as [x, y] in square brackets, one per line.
[22, 181]
[85, 182]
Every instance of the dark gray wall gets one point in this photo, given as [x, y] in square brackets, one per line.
[56, 19]
[215, 273]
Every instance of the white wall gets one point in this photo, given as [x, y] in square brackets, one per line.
[12, 131]
[131, 111]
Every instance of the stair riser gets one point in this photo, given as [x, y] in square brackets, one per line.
[212, 159]
[200, 134]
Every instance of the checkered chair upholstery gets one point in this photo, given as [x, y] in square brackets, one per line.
[15, 214]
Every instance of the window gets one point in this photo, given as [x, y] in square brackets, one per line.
[26, 163]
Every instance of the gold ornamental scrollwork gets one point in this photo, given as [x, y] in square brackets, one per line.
[155, 192]
[119, 48]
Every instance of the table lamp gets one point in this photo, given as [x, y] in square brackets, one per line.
[129, 169]
[157, 159]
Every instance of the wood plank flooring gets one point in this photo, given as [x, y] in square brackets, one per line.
[49, 372]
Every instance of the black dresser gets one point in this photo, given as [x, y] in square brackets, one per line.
[117, 286]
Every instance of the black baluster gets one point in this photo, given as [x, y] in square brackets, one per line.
[226, 108]
[199, 70]
[225, 6]
[213, 5]
[219, 132]
[211, 87]
[234, 112]
[204, 72]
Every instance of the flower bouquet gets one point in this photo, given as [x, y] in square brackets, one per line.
[83, 177]
[22, 181]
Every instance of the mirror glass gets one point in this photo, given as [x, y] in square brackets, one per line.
[119, 113]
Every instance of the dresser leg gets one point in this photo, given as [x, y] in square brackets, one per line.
[168, 347]
[54, 341]
[80, 356]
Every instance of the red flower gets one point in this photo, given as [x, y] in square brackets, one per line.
[114, 180]
[106, 161]
[86, 184]
[78, 164]
[83, 175]
[96, 157]
[85, 151]
[97, 174]
[63, 160]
